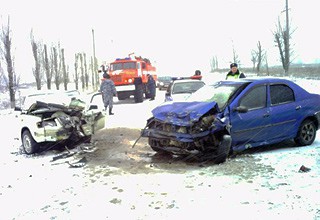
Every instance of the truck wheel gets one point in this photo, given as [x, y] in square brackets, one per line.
[138, 92]
[223, 149]
[306, 133]
[29, 145]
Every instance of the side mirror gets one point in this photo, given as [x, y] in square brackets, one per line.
[241, 109]
[93, 107]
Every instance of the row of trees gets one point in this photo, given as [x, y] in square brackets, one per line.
[49, 66]
[54, 66]
[282, 36]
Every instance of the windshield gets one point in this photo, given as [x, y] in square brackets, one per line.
[165, 78]
[187, 87]
[219, 93]
[123, 66]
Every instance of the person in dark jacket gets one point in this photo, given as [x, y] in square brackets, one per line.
[151, 87]
[108, 90]
[234, 72]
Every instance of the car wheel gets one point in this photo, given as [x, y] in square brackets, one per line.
[223, 149]
[306, 133]
[29, 145]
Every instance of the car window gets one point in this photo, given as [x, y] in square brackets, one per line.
[281, 94]
[255, 98]
[187, 87]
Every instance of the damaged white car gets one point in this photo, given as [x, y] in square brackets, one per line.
[52, 118]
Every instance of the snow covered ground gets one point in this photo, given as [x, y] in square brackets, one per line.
[262, 184]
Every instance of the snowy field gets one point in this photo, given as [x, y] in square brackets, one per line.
[265, 184]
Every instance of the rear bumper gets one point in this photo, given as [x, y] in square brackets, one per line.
[125, 88]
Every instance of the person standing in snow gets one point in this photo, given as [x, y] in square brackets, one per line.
[151, 86]
[234, 72]
[108, 90]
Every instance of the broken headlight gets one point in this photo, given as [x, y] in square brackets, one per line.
[50, 123]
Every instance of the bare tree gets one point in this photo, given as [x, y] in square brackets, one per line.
[214, 63]
[36, 50]
[96, 73]
[282, 36]
[93, 73]
[76, 75]
[6, 55]
[82, 71]
[46, 64]
[64, 71]
[55, 67]
[259, 57]
[253, 59]
[267, 65]
[235, 55]
[86, 75]
[95, 63]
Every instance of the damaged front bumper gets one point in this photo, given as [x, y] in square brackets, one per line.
[200, 137]
[56, 123]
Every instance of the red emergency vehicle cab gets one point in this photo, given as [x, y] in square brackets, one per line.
[130, 76]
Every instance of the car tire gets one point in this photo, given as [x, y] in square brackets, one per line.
[29, 145]
[223, 149]
[306, 133]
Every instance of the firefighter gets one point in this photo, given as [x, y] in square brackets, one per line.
[234, 72]
[108, 90]
[151, 86]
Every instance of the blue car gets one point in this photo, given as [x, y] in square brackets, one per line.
[231, 116]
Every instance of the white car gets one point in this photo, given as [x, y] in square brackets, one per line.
[56, 118]
[180, 89]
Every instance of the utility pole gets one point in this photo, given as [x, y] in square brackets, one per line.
[94, 69]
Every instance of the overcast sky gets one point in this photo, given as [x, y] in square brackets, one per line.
[179, 36]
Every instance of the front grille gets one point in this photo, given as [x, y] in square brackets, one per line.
[168, 127]
[116, 78]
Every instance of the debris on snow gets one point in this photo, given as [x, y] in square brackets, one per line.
[304, 169]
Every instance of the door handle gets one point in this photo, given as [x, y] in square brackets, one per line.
[266, 115]
[298, 107]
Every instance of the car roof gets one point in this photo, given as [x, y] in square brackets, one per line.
[186, 80]
[257, 80]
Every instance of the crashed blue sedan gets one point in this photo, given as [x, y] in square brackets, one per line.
[231, 116]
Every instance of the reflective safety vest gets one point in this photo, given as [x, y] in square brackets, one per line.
[235, 76]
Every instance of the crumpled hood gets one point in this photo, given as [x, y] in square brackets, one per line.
[180, 97]
[182, 113]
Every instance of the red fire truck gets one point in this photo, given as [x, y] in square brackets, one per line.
[130, 76]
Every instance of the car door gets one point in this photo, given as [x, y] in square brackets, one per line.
[284, 112]
[95, 113]
[250, 127]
